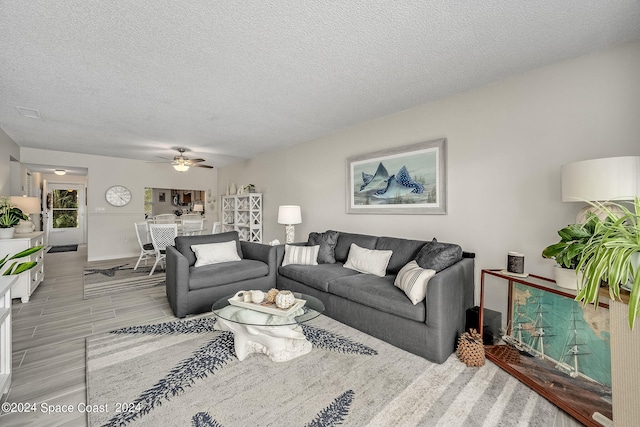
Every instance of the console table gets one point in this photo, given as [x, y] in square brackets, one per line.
[28, 281]
[556, 380]
[5, 332]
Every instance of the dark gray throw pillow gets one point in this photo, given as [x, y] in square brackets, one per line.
[327, 242]
[438, 256]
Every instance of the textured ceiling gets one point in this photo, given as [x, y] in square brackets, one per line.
[231, 79]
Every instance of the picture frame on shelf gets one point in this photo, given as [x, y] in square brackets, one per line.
[404, 180]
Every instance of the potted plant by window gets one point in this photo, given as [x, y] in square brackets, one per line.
[611, 257]
[568, 251]
[9, 217]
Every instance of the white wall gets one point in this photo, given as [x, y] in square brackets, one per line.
[506, 144]
[110, 231]
[8, 149]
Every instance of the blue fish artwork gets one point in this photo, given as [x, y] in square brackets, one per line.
[399, 184]
[376, 180]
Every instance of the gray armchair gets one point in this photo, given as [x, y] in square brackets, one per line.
[193, 290]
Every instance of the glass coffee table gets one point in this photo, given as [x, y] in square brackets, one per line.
[266, 329]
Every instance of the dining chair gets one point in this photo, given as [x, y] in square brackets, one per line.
[144, 240]
[164, 219]
[192, 227]
[216, 228]
[190, 216]
[162, 235]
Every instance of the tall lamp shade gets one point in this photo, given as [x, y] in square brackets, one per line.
[601, 180]
[28, 205]
[611, 178]
[289, 215]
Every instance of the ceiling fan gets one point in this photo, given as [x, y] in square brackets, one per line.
[182, 163]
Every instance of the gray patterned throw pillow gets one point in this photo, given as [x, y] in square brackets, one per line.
[327, 242]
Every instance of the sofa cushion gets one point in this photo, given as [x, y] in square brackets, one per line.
[438, 256]
[327, 242]
[346, 239]
[404, 250]
[316, 276]
[379, 293]
[368, 261]
[301, 255]
[413, 281]
[183, 243]
[226, 272]
[215, 253]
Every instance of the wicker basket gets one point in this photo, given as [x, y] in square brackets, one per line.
[471, 348]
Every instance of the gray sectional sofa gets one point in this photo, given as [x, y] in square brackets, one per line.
[375, 306]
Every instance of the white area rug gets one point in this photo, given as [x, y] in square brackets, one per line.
[186, 373]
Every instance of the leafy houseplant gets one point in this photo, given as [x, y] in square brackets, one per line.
[9, 214]
[611, 255]
[573, 238]
[569, 251]
[15, 267]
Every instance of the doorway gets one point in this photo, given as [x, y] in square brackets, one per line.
[66, 214]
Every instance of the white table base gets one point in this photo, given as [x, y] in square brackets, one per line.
[280, 343]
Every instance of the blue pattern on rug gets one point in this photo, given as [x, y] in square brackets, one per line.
[206, 360]
[215, 355]
[192, 326]
[335, 413]
[332, 415]
[203, 419]
[323, 339]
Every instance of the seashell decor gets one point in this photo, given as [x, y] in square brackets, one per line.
[271, 295]
[257, 297]
[285, 299]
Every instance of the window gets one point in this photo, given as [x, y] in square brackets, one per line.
[65, 209]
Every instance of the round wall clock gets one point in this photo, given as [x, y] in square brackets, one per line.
[118, 195]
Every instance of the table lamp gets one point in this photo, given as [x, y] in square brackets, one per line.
[198, 207]
[289, 215]
[28, 205]
[600, 180]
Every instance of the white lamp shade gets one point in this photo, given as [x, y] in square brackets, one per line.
[289, 215]
[611, 178]
[198, 207]
[28, 205]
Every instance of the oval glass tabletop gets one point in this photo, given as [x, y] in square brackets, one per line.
[233, 309]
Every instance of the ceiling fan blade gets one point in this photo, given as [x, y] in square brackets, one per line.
[197, 160]
[202, 166]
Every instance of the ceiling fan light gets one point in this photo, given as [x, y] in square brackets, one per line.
[60, 172]
[180, 167]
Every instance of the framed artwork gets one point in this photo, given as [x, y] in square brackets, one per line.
[403, 180]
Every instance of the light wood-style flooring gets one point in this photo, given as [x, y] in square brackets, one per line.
[49, 337]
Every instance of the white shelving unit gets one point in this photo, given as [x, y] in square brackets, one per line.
[243, 213]
[5, 332]
[28, 282]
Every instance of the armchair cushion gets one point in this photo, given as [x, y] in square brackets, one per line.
[215, 253]
[226, 272]
[183, 243]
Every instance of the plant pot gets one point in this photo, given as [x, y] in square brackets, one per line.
[7, 233]
[567, 278]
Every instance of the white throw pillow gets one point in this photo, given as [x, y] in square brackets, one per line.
[413, 280]
[368, 260]
[214, 253]
[302, 255]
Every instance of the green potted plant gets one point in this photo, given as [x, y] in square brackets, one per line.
[9, 217]
[568, 251]
[611, 257]
[15, 267]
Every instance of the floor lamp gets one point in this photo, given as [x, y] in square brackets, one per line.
[289, 215]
